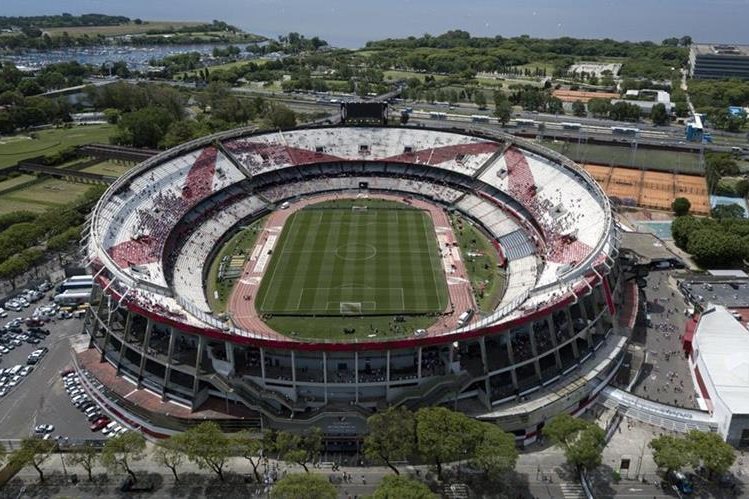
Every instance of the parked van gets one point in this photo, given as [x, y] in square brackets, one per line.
[465, 317]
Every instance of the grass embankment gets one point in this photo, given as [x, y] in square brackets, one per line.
[481, 259]
[15, 148]
[239, 244]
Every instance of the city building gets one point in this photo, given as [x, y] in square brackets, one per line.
[718, 61]
[719, 361]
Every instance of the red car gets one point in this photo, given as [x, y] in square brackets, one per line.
[100, 423]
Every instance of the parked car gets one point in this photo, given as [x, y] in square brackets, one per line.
[44, 428]
[100, 423]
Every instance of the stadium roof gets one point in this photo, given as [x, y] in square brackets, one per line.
[722, 343]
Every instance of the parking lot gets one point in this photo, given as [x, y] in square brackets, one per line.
[40, 397]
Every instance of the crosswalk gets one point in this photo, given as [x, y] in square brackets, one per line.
[572, 490]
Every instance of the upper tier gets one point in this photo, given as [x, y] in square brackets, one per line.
[552, 221]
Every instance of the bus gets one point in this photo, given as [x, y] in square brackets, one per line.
[479, 118]
[623, 130]
[438, 116]
[76, 282]
[73, 297]
[571, 126]
[523, 122]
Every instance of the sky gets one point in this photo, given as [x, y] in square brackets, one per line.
[351, 23]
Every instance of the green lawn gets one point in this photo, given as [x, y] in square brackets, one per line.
[333, 260]
[651, 159]
[480, 257]
[110, 168]
[14, 148]
[14, 182]
[50, 192]
[120, 29]
[241, 243]
[404, 75]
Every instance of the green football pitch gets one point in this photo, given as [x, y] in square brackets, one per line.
[338, 259]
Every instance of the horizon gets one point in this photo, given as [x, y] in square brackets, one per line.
[336, 21]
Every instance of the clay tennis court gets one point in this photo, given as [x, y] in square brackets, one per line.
[582, 96]
[651, 189]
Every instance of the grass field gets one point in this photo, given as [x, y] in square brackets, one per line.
[122, 29]
[110, 168]
[14, 148]
[241, 243]
[42, 195]
[650, 159]
[334, 260]
[480, 257]
[13, 183]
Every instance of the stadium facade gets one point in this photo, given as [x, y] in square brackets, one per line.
[159, 358]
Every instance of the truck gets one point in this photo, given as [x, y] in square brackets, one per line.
[73, 297]
[76, 282]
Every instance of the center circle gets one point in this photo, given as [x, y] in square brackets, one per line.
[355, 252]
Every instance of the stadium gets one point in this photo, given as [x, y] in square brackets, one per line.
[354, 292]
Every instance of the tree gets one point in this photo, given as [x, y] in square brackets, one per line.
[725, 211]
[303, 486]
[86, 457]
[599, 108]
[681, 206]
[281, 116]
[671, 453]
[658, 114]
[2, 453]
[207, 446]
[479, 99]
[578, 109]
[299, 449]
[495, 453]
[249, 447]
[143, 128]
[716, 455]
[443, 435]
[554, 105]
[586, 450]
[503, 112]
[170, 454]
[33, 451]
[399, 487]
[120, 451]
[392, 437]
[581, 441]
[405, 117]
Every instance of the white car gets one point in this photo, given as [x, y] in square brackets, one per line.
[14, 381]
[44, 429]
[3, 313]
[108, 429]
[26, 370]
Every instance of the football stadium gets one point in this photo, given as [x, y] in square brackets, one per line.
[317, 275]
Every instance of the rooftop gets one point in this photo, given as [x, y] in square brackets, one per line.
[723, 345]
[731, 294]
[722, 49]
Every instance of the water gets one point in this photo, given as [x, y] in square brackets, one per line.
[661, 229]
[136, 57]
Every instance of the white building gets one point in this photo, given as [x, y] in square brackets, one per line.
[720, 369]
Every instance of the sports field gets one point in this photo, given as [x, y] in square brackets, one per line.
[339, 259]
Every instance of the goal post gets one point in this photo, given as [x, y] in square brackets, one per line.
[350, 308]
[356, 208]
